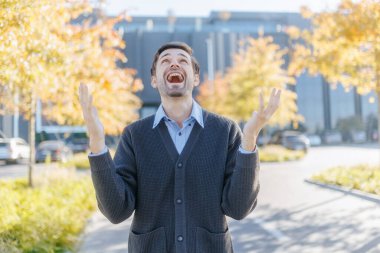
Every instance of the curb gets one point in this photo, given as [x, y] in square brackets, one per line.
[360, 194]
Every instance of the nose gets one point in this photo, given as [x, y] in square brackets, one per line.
[174, 64]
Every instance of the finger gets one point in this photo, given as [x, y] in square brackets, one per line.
[82, 101]
[272, 108]
[278, 95]
[273, 102]
[267, 111]
[95, 112]
[261, 102]
[273, 93]
[270, 111]
[84, 95]
[89, 105]
[276, 98]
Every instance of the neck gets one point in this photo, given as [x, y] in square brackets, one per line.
[177, 109]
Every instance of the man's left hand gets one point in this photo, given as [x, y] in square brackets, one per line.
[259, 119]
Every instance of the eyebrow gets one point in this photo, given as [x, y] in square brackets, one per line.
[183, 55]
[169, 54]
[164, 55]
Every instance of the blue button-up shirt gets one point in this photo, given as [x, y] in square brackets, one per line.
[179, 135]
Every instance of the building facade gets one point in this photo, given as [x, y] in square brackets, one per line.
[215, 39]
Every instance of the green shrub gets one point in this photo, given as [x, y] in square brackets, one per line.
[47, 218]
[276, 153]
[80, 161]
[361, 177]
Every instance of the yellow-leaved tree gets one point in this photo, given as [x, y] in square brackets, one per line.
[258, 68]
[47, 47]
[343, 46]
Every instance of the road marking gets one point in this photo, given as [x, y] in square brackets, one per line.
[271, 229]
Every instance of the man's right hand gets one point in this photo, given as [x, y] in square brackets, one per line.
[95, 128]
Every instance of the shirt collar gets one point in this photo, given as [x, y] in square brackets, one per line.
[196, 113]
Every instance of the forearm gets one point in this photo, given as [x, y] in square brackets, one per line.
[242, 186]
[248, 141]
[116, 198]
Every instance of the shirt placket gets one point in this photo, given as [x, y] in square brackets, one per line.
[179, 193]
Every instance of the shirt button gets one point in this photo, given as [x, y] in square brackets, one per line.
[180, 134]
[180, 165]
[180, 238]
[179, 201]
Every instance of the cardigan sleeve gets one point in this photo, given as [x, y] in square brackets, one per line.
[115, 180]
[241, 178]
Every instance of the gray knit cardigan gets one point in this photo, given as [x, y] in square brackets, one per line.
[179, 200]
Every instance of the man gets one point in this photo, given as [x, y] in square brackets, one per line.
[181, 170]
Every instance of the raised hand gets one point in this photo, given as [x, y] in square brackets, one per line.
[259, 119]
[95, 128]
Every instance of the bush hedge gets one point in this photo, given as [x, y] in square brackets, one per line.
[361, 177]
[47, 218]
[269, 153]
[80, 161]
[276, 153]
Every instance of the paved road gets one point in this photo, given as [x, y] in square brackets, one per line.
[21, 170]
[292, 216]
[13, 171]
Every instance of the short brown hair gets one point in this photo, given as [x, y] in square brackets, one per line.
[179, 45]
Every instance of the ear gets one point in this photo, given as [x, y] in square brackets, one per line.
[196, 80]
[153, 81]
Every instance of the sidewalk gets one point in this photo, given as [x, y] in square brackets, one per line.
[101, 236]
[331, 221]
[292, 216]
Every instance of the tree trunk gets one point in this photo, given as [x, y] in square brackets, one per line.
[378, 116]
[377, 76]
[32, 134]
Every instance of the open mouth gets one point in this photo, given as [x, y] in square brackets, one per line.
[175, 78]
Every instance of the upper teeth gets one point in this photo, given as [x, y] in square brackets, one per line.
[175, 74]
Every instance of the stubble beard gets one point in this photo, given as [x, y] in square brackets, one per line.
[175, 93]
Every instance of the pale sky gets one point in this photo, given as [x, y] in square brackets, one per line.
[204, 7]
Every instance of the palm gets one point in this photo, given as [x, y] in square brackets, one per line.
[260, 119]
[94, 126]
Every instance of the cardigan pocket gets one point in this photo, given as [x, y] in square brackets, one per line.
[209, 242]
[151, 242]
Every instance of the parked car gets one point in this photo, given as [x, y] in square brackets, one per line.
[315, 140]
[14, 150]
[332, 137]
[57, 150]
[262, 140]
[78, 142]
[358, 136]
[291, 139]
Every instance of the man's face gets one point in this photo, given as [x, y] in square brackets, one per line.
[174, 74]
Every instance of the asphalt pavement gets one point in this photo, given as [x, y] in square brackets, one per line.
[292, 215]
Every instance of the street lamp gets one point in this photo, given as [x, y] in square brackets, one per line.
[210, 63]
